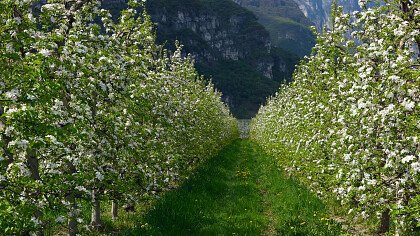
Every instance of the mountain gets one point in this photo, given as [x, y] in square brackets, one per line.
[286, 23]
[318, 11]
[228, 44]
[246, 47]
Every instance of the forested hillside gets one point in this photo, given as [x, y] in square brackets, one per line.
[289, 28]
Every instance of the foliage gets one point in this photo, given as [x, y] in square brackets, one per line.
[94, 111]
[349, 124]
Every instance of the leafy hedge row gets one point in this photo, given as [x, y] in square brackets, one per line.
[349, 124]
[94, 111]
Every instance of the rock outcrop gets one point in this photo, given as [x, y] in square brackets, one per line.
[211, 33]
[318, 11]
[228, 44]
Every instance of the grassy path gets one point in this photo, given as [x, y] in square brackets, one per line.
[238, 192]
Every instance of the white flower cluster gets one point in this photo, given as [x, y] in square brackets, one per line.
[86, 116]
[349, 123]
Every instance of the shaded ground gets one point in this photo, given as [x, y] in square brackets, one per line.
[239, 192]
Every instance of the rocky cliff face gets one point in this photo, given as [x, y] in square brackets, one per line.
[288, 21]
[228, 44]
[209, 34]
[318, 11]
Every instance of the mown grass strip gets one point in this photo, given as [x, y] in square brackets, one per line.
[239, 192]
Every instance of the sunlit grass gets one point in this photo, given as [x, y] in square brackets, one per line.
[239, 192]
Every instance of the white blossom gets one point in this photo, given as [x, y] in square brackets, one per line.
[14, 94]
[408, 158]
[35, 221]
[416, 167]
[45, 52]
[99, 176]
[31, 18]
[9, 47]
[60, 219]
[408, 105]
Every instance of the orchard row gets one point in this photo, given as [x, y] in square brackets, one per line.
[349, 124]
[91, 109]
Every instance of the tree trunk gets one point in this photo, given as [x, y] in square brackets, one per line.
[114, 210]
[385, 222]
[96, 222]
[40, 232]
[72, 226]
[33, 164]
[72, 217]
[6, 140]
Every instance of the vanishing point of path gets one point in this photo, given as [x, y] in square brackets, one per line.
[241, 191]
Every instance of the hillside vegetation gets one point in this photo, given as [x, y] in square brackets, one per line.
[243, 88]
[289, 28]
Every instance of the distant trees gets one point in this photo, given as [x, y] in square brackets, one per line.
[94, 111]
[349, 124]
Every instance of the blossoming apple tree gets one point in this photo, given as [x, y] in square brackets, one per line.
[349, 124]
[91, 109]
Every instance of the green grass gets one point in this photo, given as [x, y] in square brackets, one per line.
[239, 192]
